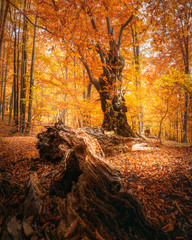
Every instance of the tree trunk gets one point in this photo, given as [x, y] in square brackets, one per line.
[111, 95]
[136, 62]
[109, 85]
[32, 79]
[18, 60]
[111, 144]
[15, 92]
[185, 120]
[82, 197]
[23, 74]
[2, 23]
[2, 80]
[4, 90]
[185, 53]
[86, 97]
[11, 105]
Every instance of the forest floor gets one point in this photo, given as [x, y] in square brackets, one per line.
[160, 178]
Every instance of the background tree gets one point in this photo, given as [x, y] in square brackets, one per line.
[97, 40]
[32, 78]
[172, 39]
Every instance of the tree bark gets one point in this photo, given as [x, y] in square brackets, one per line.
[83, 196]
[111, 95]
[4, 90]
[18, 61]
[32, 79]
[64, 118]
[136, 62]
[11, 105]
[184, 44]
[3, 17]
[109, 85]
[185, 119]
[23, 73]
[2, 80]
[15, 92]
[111, 144]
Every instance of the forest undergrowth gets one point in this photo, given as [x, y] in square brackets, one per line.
[160, 178]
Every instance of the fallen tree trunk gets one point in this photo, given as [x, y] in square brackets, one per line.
[83, 197]
[112, 143]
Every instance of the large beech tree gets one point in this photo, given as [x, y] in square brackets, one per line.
[94, 31]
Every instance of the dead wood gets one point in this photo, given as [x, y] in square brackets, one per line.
[111, 143]
[83, 197]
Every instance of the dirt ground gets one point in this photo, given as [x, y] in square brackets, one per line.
[160, 178]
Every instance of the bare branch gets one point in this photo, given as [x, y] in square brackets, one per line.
[41, 27]
[100, 50]
[110, 32]
[82, 59]
[101, 53]
[91, 78]
[94, 24]
[53, 2]
[108, 26]
[121, 30]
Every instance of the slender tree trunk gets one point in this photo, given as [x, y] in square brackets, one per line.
[136, 63]
[4, 90]
[164, 116]
[32, 79]
[1, 12]
[3, 16]
[2, 80]
[184, 43]
[88, 117]
[185, 118]
[23, 74]
[86, 97]
[75, 86]
[18, 61]
[15, 112]
[65, 98]
[11, 105]
[64, 112]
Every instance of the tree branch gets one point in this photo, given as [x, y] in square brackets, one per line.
[41, 27]
[91, 78]
[108, 26]
[110, 32]
[100, 51]
[121, 31]
[53, 2]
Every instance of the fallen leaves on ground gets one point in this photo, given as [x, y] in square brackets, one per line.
[161, 180]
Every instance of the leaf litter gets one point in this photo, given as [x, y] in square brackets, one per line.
[160, 179]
